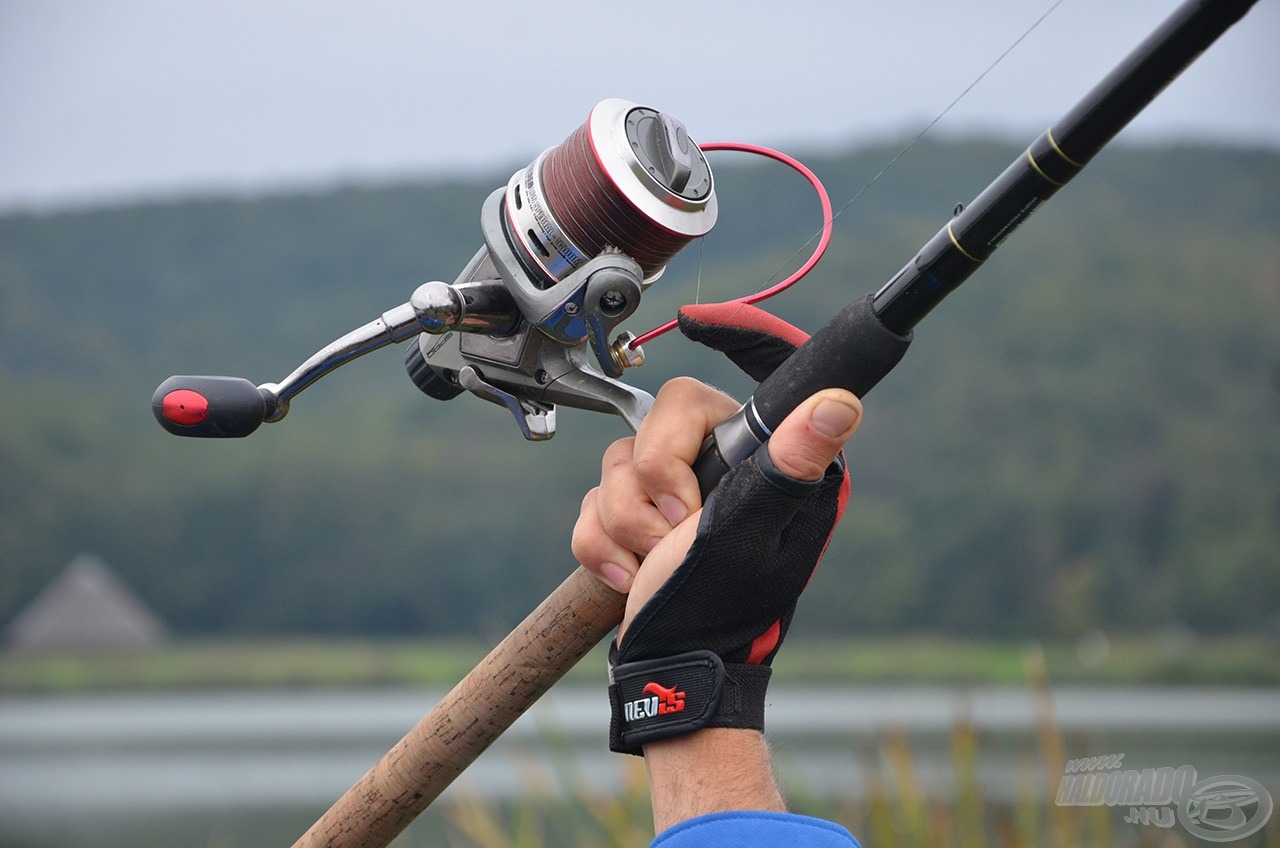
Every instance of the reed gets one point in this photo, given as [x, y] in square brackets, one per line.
[895, 809]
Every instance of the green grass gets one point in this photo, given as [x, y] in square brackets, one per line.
[334, 663]
[265, 664]
[1251, 661]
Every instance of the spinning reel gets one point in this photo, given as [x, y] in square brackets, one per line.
[570, 244]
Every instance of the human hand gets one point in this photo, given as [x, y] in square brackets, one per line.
[647, 505]
[621, 522]
[708, 609]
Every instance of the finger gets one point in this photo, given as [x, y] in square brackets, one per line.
[809, 439]
[625, 510]
[669, 440]
[597, 552]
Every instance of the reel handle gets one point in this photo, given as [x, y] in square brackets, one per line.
[210, 407]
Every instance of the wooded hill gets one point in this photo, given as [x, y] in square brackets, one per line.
[1086, 435]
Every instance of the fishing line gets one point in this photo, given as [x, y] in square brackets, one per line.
[767, 290]
[943, 113]
[824, 236]
[702, 254]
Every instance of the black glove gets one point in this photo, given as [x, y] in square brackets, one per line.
[697, 654]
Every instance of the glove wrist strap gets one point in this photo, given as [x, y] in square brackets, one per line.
[653, 700]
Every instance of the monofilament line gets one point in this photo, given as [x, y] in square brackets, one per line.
[918, 136]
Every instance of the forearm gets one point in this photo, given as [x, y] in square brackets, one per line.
[710, 771]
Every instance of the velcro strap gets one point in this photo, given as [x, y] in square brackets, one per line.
[657, 699]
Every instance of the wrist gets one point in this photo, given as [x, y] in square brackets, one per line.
[653, 700]
[713, 770]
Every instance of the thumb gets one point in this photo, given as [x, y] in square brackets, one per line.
[810, 438]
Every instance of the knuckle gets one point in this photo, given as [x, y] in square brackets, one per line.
[617, 456]
[803, 461]
[679, 395]
[581, 546]
[611, 516]
[650, 464]
[682, 388]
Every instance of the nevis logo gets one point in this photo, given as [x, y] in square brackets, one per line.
[658, 701]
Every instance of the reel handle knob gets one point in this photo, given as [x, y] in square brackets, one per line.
[210, 407]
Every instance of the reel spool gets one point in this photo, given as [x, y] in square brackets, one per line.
[629, 179]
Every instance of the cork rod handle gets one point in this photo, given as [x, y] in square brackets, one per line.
[523, 666]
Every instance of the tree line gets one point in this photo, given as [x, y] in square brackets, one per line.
[1084, 436]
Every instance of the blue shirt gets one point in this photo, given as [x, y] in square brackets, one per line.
[750, 829]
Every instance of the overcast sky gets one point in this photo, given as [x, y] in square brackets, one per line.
[102, 101]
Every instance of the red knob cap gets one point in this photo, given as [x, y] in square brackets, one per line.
[183, 406]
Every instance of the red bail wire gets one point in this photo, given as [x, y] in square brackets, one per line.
[828, 220]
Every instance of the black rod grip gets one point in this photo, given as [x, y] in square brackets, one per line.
[854, 351]
[209, 407]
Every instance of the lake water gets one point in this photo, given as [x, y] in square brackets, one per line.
[127, 768]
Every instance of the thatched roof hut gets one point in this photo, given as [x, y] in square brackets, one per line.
[85, 608]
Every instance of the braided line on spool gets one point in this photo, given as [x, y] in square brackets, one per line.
[595, 214]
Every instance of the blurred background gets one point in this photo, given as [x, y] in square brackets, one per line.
[1065, 534]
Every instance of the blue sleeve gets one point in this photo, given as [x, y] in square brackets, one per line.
[755, 830]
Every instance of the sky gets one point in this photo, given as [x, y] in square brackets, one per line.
[106, 102]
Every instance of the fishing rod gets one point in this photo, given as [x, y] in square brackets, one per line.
[854, 350]
[866, 339]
